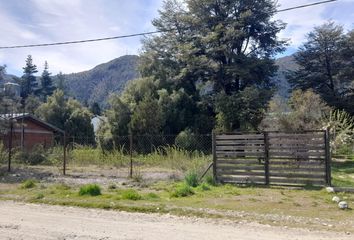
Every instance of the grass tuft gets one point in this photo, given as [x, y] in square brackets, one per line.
[192, 179]
[90, 189]
[182, 190]
[131, 194]
[29, 183]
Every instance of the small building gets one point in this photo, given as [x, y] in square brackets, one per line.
[28, 131]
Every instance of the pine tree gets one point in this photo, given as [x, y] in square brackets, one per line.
[61, 82]
[47, 87]
[29, 82]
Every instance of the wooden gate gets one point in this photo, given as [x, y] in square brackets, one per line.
[277, 158]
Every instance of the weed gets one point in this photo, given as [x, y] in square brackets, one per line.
[192, 179]
[182, 190]
[29, 183]
[112, 186]
[131, 194]
[152, 196]
[210, 180]
[90, 189]
[62, 187]
[204, 187]
[137, 176]
[39, 196]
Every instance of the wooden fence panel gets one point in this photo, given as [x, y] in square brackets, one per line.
[272, 158]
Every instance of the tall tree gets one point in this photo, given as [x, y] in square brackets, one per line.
[326, 66]
[61, 82]
[29, 82]
[47, 87]
[69, 115]
[226, 44]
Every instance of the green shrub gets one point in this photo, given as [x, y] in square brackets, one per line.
[182, 190]
[34, 157]
[90, 189]
[3, 153]
[186, 140]
[131, 194]
[29, 183]
[39, 196]
[192, 179]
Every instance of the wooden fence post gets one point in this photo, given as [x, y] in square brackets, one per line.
[214, 155]
[131, 154]
[328, 158]
[266, 157]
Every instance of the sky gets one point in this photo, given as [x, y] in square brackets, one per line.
[44, 21]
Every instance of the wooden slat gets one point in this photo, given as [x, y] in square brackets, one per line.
[239, 142]
[292, 163]
[296, 135]
[297, 169]
[238, 161]
[233, 147]
[296, 181]
[304, 147]
[295, 141]
[296, 154]
[257, 180]
[246, 168]
[239, 172]
[238, 154]
[317, 175]
[243, 136]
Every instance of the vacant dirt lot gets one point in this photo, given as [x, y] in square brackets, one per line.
[30, 221]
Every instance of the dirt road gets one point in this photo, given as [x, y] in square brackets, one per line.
[30, 221]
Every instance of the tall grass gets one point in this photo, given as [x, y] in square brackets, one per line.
[170, 157]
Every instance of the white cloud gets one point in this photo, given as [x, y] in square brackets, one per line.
[302, 21]
[59, 20]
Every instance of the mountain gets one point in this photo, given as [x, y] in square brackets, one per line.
[97, 84]
[284, 64]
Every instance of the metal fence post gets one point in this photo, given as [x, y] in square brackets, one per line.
[131, 154]
[328, 158]
[214, 155]
[266, 157]
[10, 146]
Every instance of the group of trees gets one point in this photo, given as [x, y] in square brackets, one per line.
[29, 84]
[40, 97]
[211, 67]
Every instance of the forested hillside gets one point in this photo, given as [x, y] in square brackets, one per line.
[95, 85]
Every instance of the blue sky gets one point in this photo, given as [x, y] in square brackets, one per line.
[44, 21]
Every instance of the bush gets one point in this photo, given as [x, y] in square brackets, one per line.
[182, 190]
[131, 194]
[34, 157]
[3, 154]
[90, 189]
[186, 140]
[28, 184]
[192, 179]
